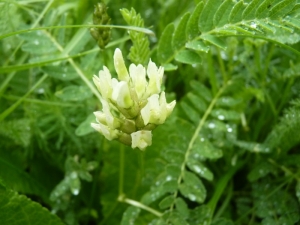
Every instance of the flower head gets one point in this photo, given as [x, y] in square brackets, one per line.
[134, 99]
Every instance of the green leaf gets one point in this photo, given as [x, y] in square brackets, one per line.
[192, 187]
[182, 208]
[140, 51]
[170, 67]
[74, 93]
[203, 149]
[190, 112]
[166, 202]
[188, 57]
[130, 215]
[197, 45]
[207, 15]
[298, 190]
[13, 174]
[197, 102]
[263, 9]
[215, 41]
[165, 50]
[18, 130]
[37, 42]
[223, 114]
[64, 73]
[282, 8]
[179, 37]
[192, 28]
[260, 170]
[85, 127]
[200, 169]
[173, 171]
[173, 156]
[249, 11]
[19, 210]
[201, 90]
[222, 221]
[221, 17]
[236, 12]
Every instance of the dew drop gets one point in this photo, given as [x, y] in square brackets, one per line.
[253, 25]
[192, 197]
[74, 175]
[211, 125]
[64, 75]
[36, 42]
[229, 129]
[169, 178]
[75, 191]
[221, 117]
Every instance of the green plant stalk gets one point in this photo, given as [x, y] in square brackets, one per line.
[41, 16]
[269, 195]
[4, 114]
[221, 187]
[77, 69]
[43, 63]
[141, 206]
[121, 173]
[194, 137]
[137, 29]
[11, 75]
[42, 102]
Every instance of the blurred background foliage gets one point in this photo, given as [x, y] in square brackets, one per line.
[229, 154]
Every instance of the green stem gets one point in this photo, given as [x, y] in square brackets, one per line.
[121, 173]
[21, 67]
[194, 137]
[138, 29]
[4, 114]
[141, 206]
[221, 187]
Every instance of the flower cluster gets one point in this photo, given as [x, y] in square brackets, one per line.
[132, 105]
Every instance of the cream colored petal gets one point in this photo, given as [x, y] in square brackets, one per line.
[120, 66]
[151, 112]
[107, 132]
[141, 139]
[138, 78]
[155, 78]
[121, 95]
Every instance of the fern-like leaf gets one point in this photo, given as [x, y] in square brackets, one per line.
[140, 51]
[285, 134]
[276, 21]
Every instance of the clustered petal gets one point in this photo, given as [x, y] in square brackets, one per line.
[133, 105]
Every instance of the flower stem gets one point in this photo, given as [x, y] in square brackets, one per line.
[140, 205]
